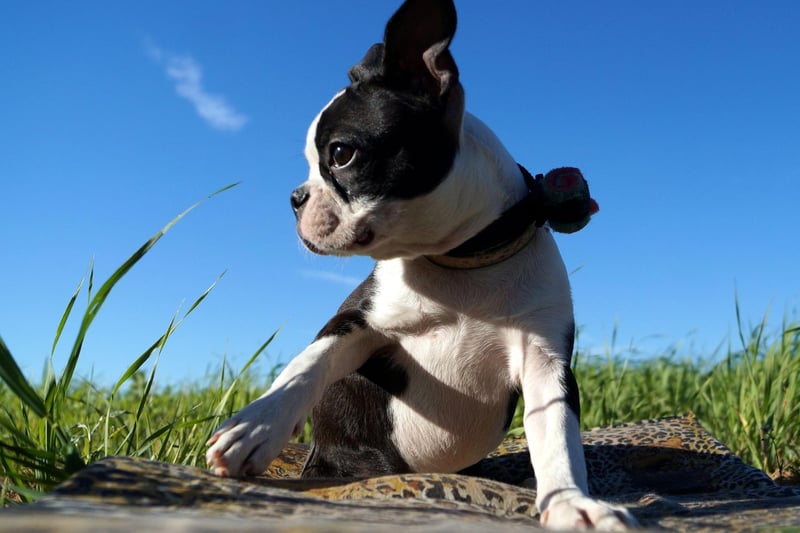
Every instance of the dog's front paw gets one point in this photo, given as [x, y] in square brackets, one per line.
[247, 442]
[582, 512]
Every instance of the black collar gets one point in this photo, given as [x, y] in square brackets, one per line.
[566, 204]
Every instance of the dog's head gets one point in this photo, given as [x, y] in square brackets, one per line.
[381, 150]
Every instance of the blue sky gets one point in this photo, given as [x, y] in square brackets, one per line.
[684, 116]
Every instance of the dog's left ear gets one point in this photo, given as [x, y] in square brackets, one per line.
[415, 51]
[369, 66]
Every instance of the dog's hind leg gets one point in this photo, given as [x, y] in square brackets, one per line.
[353, 427]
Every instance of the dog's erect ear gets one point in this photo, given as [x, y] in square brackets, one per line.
[369, 66]
[416, 40]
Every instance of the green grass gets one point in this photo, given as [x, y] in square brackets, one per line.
[750, 399]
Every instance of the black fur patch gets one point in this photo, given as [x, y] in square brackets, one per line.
[513, 400]
[569, 383]
[352, 428]
[402, 146]
[569, 341]
[380, 370]
[343, 323]
[352, 313]
[361, 297]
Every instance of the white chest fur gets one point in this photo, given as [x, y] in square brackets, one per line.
[460, 336]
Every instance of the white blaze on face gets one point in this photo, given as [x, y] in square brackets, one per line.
[329, 223]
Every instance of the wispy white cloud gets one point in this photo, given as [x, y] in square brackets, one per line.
[188, 77]
[350, 281]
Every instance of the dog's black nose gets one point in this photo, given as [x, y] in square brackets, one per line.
[299, 197]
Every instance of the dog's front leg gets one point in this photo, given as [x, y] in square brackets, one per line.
[552, 427]
[248, 441]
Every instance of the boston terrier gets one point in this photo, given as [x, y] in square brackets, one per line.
[468, 305]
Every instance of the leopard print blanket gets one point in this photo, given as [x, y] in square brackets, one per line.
[670, 472]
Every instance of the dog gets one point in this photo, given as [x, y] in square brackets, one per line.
[468, 305]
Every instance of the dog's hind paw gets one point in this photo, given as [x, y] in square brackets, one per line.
[582, 512]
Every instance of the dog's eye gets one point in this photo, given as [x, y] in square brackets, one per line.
[341, 155]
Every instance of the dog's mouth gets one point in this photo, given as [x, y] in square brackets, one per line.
[363, 238]
[312, 247]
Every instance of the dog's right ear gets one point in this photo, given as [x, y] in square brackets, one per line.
[416, 51]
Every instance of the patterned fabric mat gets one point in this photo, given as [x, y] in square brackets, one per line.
[670, 472]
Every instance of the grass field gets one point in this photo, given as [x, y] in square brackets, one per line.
[749, 398]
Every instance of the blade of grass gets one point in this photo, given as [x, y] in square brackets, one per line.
[153, 437]
[91, 283]
[159, 344]
[157, 347]
[220, 410]
[19, 385]
[68, 310]
[100, 297]
[131, 438]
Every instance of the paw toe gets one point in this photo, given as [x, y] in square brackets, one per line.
[586, 513]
